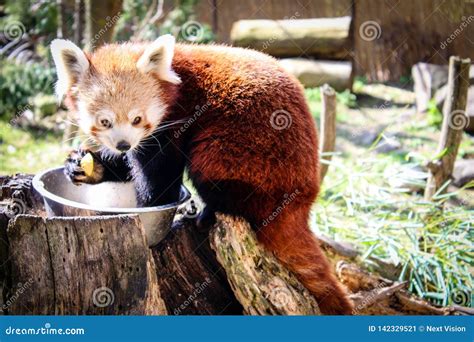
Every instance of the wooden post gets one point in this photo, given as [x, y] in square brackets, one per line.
[454, 122]
[327, 130]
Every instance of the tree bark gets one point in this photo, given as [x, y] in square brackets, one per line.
[191, 280]
[100, 17]
[78, 27]
[454, 122]
[259, 282]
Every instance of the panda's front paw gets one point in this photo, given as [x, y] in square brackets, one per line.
[76, 171]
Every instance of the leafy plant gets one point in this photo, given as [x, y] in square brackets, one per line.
[37, 17]
[434, 116]
[18, 83]
[181, 22]
[359, 83]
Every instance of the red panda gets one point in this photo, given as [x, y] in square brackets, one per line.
[232, 116]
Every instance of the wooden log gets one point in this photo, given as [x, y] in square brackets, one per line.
[312, 73]
[327, 128]
[454, 121]
[191, 280]
[326, 38]
[375, 295]
[259, 282]
[95, 265]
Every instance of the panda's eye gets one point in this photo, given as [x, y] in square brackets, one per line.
[137, 120]
[105, 123]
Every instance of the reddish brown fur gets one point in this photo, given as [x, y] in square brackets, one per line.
[238, 162]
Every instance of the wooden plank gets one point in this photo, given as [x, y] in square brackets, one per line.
[399, 34]
[230, 11]
[411, 31]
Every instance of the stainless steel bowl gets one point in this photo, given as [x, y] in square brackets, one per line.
[63, 198]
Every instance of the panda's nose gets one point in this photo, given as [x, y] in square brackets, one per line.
[123, 146]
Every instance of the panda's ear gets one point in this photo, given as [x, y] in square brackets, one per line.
[71, 64]
[157, 58]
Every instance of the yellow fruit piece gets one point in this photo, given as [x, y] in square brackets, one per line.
[87, 164]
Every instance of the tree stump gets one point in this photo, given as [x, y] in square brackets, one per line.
[77, 266]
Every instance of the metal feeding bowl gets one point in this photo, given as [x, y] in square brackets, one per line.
[63, 198]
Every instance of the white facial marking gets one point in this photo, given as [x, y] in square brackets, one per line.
[133, 114]
[155, 111]
[85, 119]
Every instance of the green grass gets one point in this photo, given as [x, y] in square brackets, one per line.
[28, 151]
[431, 243]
